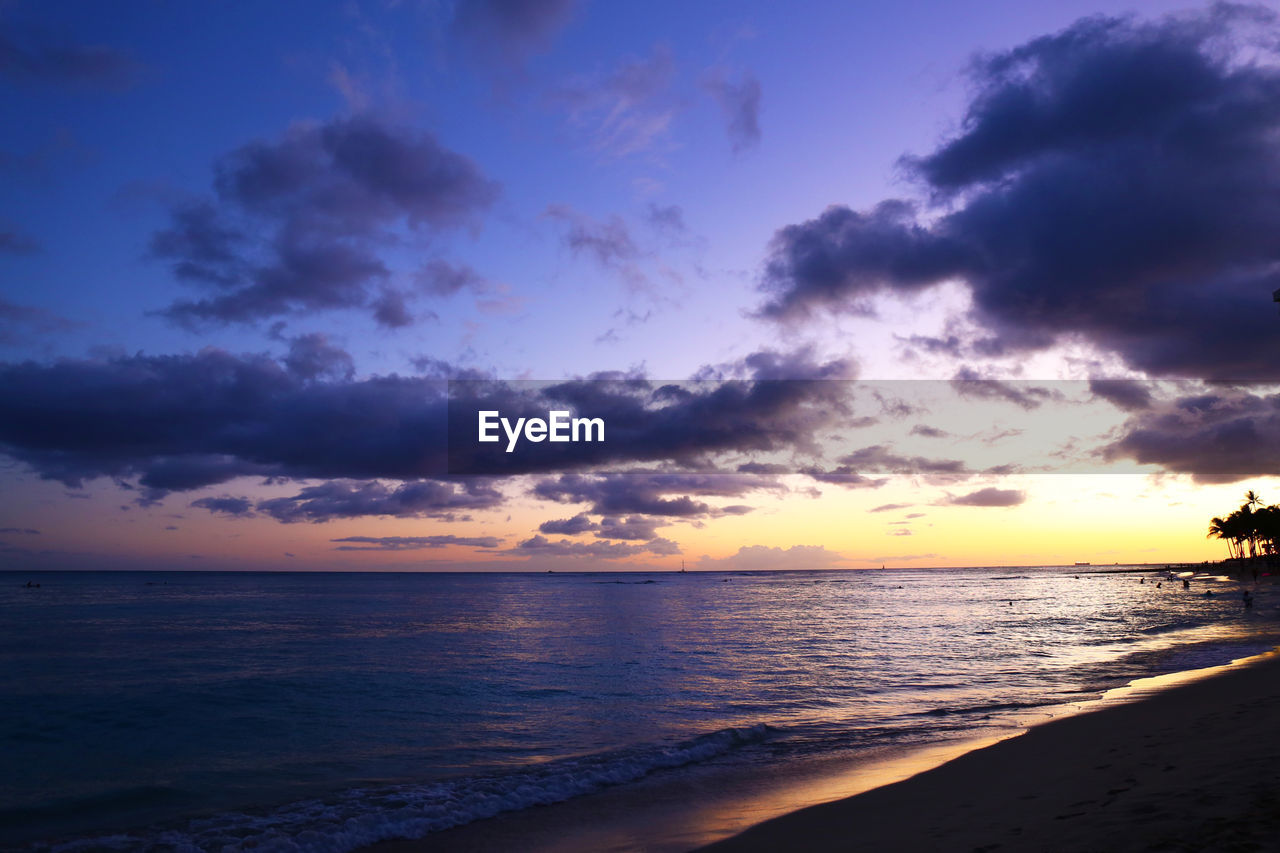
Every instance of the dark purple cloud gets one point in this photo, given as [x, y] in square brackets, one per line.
[320, 202]
[635, 527]
[184, 422]
[843, 257]
[882, 459]
[687, 423]
[990, 496]
[31, 57]
[608, 242]
[160, 424]
[441, 278]
[967, 383]
[1218, 436]
[843, 475]
[739, 100]
[580, 523]
[668, 218]
[226, 505]
[890, 507]
[663, 494]
[1114, 183]
[414, 499]
[413, 543]
[1128, 394]
[312, 357]
[23, 322]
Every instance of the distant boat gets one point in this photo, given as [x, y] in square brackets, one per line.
[682, 571]
[1084, 564]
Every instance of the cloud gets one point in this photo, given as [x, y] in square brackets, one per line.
[668, 218]
[24, 322]
[298, 222]
[37, 58]
[540, 546]
[413, 543]
[1127, 394]
[756, 558]
[635, 527]
[415, 499]
[928, 431]
[689, 424]
[988, 497]
[226, 505]
[1218, 436]
[842, 475]
[509, 31]
[312, 357]
[441, 278]
[653, 493]
[839, 259]
[889, 507]
[607, 241]
[1113, 183]
[162, 424]
[26, 531]
[879, 457]
[967, 383]
[186, 421]
[739, 100]
[580, 523]
[627, 111]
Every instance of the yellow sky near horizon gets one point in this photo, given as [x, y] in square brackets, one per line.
[1065, 518]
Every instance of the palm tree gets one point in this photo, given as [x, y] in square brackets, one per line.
[1267, 524]
[1259, 527]
[1220, 528]
[1247, 530]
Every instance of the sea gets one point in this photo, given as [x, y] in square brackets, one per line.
[207, 711]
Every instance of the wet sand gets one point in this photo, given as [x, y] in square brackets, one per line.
[1194, 767]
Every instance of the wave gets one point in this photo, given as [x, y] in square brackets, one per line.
[1179, 625]
[363, 816]
[987, 708]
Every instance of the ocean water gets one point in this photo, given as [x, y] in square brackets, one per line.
[323, 712]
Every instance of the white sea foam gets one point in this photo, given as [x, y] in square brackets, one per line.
[363, 816]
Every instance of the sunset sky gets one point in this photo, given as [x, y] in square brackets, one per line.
[912, 284]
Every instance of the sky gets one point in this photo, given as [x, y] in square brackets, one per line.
[849, 284]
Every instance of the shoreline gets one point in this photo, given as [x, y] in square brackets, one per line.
[842, 806]
[1187, 767]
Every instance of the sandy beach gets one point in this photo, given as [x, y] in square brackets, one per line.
[1188, 768]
